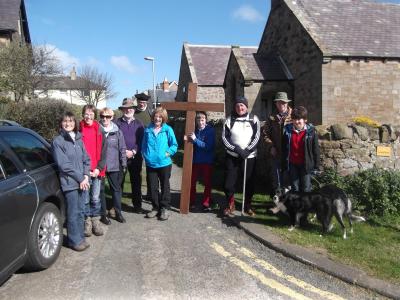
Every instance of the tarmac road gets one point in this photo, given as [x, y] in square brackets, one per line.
[195, 256]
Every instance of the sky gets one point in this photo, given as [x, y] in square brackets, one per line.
[115, 36]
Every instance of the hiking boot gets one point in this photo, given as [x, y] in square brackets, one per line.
[88, 227]
[152, 214]
[206, 208]
[164, 215]
[105, 220]
[96, 227]
[111, 212]
[120, 218]
[81, 247]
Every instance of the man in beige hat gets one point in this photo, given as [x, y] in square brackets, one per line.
[272, 132]
[133, 131]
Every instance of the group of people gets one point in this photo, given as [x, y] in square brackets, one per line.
[90, 151]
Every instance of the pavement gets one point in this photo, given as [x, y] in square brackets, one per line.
[305, 255]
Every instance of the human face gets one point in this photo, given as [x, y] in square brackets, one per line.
[201, 121]
[106, 119]
[142, 105]
[88, 116]
[299, 123]
[129, 112]
[240, 109]
[281, 106]
[157, 120]
[68, 124]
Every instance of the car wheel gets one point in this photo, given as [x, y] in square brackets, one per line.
[45, 238]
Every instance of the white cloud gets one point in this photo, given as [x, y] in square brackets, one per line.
[92, 61]
[67, 61]
[247, 13]
[123, 63]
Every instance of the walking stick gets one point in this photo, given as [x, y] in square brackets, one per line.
[244, 185]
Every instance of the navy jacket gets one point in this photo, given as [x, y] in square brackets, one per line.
[72, 160]
[311, 148]
[204, 145]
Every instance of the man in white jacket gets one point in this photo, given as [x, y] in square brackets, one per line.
[240, 135]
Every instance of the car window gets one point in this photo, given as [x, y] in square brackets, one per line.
[7, 166]
[29, 149]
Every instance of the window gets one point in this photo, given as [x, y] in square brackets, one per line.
[29, 149]
[7, 167]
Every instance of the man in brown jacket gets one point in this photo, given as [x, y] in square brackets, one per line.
[272, 132]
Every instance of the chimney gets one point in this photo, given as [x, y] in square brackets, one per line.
[73, 73]
[165, 84]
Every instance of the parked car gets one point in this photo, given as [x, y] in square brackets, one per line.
[31, 202]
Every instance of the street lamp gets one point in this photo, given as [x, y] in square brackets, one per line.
[152, 59]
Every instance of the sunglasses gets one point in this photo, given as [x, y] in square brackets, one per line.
[107, 117]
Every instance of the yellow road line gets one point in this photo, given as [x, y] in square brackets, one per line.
[258, 275]
[292, 279]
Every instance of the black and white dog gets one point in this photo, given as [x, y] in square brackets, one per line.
[325, 202]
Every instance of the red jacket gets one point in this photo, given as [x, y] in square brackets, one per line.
[95, 145]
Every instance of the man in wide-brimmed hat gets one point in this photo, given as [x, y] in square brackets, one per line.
[272, 135]
[133, 130]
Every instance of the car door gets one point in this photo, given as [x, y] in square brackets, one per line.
[18, 201]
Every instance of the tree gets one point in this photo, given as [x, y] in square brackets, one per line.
[93, 86]
[24, 67]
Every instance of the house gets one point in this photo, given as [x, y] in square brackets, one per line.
[13, 22]
[257, 78]
[71, 89]
[206, 66]
[343, 57]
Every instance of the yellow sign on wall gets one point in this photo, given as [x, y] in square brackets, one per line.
[383, 151]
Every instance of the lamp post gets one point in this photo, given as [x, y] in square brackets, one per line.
[152, 59]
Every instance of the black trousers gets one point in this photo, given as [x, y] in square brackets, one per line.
[134, 166]
[114, 180]
[234, 169]
[159, 177]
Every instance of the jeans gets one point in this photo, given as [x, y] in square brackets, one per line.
[75, 205]
[299, 178]
[92, 199]
[160, 176]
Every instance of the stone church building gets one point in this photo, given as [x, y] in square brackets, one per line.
[339, 58]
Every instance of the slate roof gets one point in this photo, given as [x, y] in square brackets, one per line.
[9, 14]
[260, 68]
[351, 27]
[163, 96]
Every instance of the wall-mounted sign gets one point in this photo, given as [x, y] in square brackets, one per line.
[383, 151]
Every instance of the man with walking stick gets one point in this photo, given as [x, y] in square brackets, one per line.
[240, 135]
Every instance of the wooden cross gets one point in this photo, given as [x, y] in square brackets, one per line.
[191, 106]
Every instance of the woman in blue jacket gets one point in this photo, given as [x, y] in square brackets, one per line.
[158, 145]
[74, 165]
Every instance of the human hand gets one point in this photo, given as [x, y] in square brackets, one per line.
[95, 173]
[84, 184]
[185, 137]
[243, 153]
[129, 154]
[192, 136]
[167, 154]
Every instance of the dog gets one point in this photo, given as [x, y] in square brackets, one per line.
[327, 201]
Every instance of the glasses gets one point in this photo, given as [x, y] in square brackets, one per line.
[107, 117]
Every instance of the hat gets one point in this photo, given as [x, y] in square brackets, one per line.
[241, 99]
[128, 103]
[142, 97]
[281, 96]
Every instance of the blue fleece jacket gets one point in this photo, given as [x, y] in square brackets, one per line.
[204, 145]
[158, 149]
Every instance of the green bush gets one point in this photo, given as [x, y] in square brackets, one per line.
[40, 115]
[375, 192]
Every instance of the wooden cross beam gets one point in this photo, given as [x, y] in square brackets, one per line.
[191, 106]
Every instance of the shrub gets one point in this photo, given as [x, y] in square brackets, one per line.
[375, 192]
[365, 121]
[40, 115]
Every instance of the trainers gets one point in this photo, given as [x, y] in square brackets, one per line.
[96, 227]
[81, 247]
[250, 212]
[88, 227]
[206, 208]
[152, 214]
[164, 215]
[120, 218]
[105, 220]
